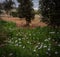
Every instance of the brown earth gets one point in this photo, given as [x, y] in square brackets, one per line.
[20, 22]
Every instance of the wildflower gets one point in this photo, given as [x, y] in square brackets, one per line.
[36, 46]
[59, 45]
[34, 50]
[16, 44]
[41, 46]
[37, 54]
[29, 34]
[20, 45]
[28, 42]
[46, 40]
[23, 47]
[48, 49]
[56, 52]
[19, 38]
[44, 46]
[47, 53]
[16, 41]
[39, 43]
[52, 32]
[17, 34]
[10, 54]
[49, 38]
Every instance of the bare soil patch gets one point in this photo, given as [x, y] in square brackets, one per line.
[20, 22]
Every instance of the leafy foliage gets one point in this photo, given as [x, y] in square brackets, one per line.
[8, 5]
[26, 10]
[50, 10]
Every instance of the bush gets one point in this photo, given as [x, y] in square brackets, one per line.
[14, 14]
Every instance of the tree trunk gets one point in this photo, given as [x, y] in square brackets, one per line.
[27, 23]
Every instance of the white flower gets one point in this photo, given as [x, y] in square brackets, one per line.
[16, 44]
[49, 38]
[10, 54]
[36, 46]
[37, 54]
[59, 45]
[20, 45]
[56, 52]
[29, 34]
[47, 53]
[39, 43]
[34, 50]
[44, 46]
[16, 41]
[17, 34]
[23, 47]
[49, 49]
[41, 46]
[28, 42]
[19, 38]
[46, 40]
[52, 32]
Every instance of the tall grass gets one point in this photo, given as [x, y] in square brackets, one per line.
[37, 42]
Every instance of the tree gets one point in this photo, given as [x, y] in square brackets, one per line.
[8, 5]
[25, 10]
[1, 6]
[50, 10]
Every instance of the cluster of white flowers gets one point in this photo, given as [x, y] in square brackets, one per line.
[10, 54]
[41, 46]
[48, 39]
[53, 32]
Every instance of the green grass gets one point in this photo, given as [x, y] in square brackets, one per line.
[37, 42]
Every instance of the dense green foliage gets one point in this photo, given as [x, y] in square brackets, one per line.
[25, 10]
[37, 42]
[8, 5]
[0, 8]
[14, 14]
[50, 10]
[4, 32]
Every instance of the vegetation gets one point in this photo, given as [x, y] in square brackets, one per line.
[37, 42]
[26, 11]
[50, 10]
[31, 42]
[8, 5]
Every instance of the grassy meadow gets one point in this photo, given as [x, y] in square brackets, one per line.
[26, 42]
